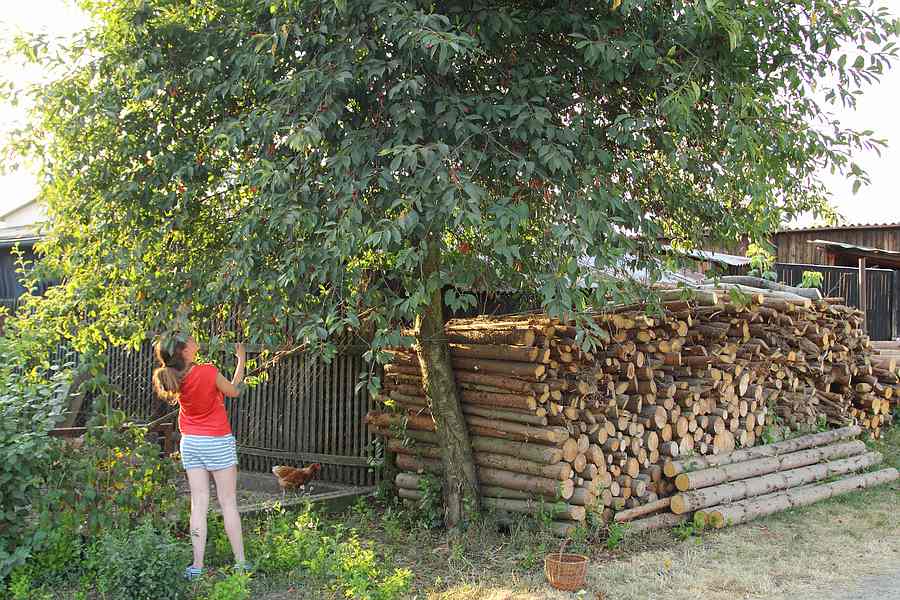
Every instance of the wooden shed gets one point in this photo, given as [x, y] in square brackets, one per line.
[23, 237]
[793, 245]
[843, 254]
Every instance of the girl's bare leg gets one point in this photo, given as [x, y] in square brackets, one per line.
[198, 480]
[226, 491]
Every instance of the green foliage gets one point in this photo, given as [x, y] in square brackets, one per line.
[547, 512]
[277, 542]
[22, 588]
[30, 404]
[771, 434]
[234, 587]
[302, 158]
[615, 534]
[333, 557]
[761, 262]
[812, 279]
[687, 530]
[59, 545]
[115, 480]
[430, 509]
[138, 564]
[396, 522]
[353, 569]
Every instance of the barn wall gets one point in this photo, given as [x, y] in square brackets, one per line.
[793, 246]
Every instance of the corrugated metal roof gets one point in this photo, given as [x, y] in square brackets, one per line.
[732, 260]
[22, 234]
[854, 247]
[841, 227]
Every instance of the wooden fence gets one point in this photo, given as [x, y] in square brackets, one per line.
[307, 411]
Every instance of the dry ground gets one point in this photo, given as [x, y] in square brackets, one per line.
[828, 551]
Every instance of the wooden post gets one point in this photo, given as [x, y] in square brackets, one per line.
[862, 293]
[895, 305]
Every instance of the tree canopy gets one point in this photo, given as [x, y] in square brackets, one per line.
[286, 162]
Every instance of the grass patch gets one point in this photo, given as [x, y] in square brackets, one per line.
[798, 553]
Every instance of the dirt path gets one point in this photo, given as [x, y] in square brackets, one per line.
[880, 587]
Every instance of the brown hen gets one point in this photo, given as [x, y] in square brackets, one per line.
[295, 477]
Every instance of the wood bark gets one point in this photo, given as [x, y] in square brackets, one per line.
[642, 510]
[747, 488]
[758, 282]
[559, 511]
[496, 477]
[696, 463]
[761, 466]
[660, 521]
[460, 477]
[747, 510]
[560, 470]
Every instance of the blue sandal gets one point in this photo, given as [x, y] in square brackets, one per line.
[191, 573]
[243, 567]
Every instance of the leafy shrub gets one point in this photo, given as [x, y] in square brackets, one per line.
[761, 262]
[615, 535]
[218, 548]
[58, 546]
[233, 587]
[275, 543]
[21, 587]
[812, 279]
[430, 513]
[139, 564]
[354, 570]
[29, 408]
[115, 480]
[333, 557]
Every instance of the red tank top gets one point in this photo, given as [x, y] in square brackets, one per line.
[202, 404]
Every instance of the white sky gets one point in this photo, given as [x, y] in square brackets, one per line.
[877, 110]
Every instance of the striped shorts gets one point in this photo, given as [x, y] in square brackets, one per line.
[208, 452]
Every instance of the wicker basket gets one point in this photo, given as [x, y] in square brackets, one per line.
[566, 571]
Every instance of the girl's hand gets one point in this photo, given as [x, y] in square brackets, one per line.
[240, 351]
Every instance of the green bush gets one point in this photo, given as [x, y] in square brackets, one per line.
[233, 587]
[113, 482]
[331, 557]
[139, 564]
[29, 407]
[276, 542]
[116, 480]
[21, 587]
[58, 547]
[355, 570]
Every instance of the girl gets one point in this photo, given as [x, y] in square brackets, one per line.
[207, 444]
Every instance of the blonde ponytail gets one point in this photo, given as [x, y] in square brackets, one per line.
[167, 377]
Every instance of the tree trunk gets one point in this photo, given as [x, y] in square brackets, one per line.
[643, 510]
[460, 481]
[660, 521]
[74, 398]
[761, 506]
[763, 466]
[748, 488]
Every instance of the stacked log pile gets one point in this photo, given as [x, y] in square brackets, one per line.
[759, 481]
[885, 363]
[550, 420]
[739, 486]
